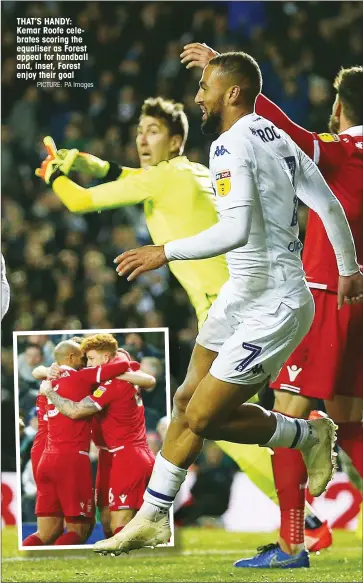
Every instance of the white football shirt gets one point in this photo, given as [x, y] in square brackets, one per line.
[270, 261]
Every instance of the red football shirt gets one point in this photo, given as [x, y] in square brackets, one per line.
[97, 435]
[121, 416]
[74, 435]
[340, 160]
[41, 435]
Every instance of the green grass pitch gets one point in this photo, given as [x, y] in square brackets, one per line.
[201, 555]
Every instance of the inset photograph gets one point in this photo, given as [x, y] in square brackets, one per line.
[92, 408]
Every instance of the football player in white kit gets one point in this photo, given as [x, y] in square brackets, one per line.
[261, 313]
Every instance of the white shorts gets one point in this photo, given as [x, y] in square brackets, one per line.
[252, 344]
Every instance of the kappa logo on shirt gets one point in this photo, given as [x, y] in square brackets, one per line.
[223, 182]
[99, 392]
[220, 151]
[293, 372]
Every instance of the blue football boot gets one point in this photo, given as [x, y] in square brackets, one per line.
[272, 557]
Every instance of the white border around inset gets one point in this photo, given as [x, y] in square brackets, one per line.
[17, 432]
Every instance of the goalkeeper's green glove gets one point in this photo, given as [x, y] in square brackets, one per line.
[88, 164]
[54, 166]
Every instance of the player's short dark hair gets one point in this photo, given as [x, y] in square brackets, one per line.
[171, 113]
[349, 86]
[243, 70]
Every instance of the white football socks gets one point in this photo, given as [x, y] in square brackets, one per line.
[292, 433]
[164, 485]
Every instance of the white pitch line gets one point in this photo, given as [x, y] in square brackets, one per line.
[156, 555]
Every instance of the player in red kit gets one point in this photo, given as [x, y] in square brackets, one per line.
[105, 457]
[120, 412]
[40, 439]
[61, 494]
[328, 363]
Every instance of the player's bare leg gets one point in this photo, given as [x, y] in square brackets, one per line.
[119, 519]
[105, 518]
[181, 447]
[78, 530]
[48, 530]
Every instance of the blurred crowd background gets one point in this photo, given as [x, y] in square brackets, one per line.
[147, 348]
[59, 265]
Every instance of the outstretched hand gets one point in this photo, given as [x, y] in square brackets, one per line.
[137, 261]
[197, 55]
[350, 289]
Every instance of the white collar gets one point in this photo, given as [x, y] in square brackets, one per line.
[353, 131]
[65, 367]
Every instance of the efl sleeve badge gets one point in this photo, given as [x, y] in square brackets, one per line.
[223, 182]
[329, 137]
[99, 392]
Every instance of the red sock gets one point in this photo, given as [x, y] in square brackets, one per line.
[32, 541]
[290, 479]
[118, 529]
[107, 533]
[350, 438]
[68, 538]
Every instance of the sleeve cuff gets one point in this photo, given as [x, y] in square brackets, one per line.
[114, 172]
[55, 175]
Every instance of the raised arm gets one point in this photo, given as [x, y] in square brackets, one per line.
[133, 189]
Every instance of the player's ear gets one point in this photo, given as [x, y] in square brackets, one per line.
[175, 144]
[233, 94]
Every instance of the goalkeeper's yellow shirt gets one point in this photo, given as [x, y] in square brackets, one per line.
[178, 202]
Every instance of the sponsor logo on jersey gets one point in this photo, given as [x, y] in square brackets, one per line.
[52, 412]
[99, 392]
[223, 182]
[220, 151]
[329, 137]
[293, 372]
[123, 498]
[359, 145]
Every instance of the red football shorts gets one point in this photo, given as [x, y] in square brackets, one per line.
[35, 456]
[329, 360]
[103, 477]
[130, 474]
[65, 488]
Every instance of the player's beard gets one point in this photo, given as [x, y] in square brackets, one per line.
[211, 126]
[334, 124]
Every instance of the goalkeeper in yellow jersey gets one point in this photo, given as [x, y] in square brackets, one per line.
[178, 202]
